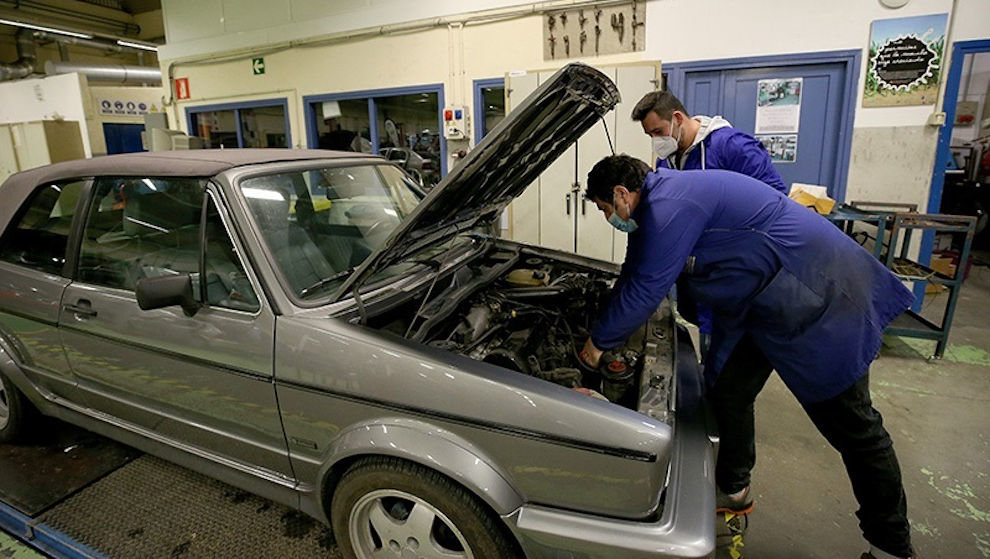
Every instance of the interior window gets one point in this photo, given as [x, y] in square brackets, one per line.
[39, 236]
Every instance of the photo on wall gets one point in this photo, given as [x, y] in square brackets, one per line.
[778, 105]
[781, 147]
[905, 61]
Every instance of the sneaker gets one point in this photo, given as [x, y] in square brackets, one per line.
[738, 503]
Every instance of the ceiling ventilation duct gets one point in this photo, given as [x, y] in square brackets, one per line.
[26, 57]
[117, 73]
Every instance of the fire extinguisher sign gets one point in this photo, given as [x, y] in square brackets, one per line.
[182, 88]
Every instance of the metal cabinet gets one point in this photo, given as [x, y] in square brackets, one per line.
[553, 211]
[26, 145]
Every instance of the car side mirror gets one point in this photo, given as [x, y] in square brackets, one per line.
[165, 291]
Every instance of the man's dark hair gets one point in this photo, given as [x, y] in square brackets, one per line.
[661, 102]
[612, 171]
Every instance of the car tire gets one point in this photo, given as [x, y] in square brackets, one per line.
[15, 412]
[384, 502]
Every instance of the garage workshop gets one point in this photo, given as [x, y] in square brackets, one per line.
[495, 279]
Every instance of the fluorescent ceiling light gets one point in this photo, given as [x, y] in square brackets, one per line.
[48, 29]
[141, 46]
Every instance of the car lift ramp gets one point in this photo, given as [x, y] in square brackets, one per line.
[133, 505]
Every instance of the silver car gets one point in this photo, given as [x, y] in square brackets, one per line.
[307, 326]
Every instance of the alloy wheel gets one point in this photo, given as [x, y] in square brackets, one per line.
[391, 523]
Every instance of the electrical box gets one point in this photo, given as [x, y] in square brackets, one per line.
[454, 123]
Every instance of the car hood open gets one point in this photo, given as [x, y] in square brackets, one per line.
[504, 164]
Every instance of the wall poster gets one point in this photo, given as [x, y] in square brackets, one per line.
[778, 105]
[781, 147]
[905, 61]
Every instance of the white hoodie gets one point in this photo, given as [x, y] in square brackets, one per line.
[709, 124]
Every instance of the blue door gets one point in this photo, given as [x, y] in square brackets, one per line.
[732, 94]
[123, 138]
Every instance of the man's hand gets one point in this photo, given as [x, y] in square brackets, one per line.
[590, 355]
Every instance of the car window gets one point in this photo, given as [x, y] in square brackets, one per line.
[38, 237]
[141, 227]
[150, 227]
[227, 284]
[319, 224]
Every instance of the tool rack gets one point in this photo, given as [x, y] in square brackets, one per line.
[877, 214]
[910, 323]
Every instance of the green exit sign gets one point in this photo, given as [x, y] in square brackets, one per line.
[258, 66]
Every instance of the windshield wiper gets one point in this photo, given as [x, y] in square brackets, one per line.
[326, 281]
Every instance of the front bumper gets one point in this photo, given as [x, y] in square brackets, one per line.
[686, 527]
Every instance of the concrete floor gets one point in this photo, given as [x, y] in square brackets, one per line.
[937, 412]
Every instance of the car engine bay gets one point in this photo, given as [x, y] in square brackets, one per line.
[528, 313]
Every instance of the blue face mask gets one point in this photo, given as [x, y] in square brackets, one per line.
[624, 225]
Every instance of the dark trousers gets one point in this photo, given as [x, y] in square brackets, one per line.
[849, 423]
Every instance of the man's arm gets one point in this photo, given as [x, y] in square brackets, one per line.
[665, 239]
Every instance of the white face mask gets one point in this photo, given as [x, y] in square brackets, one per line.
[665, 146]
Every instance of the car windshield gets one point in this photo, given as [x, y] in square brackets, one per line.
[320, 224]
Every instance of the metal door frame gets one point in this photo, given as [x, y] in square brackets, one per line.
[479, 104]
[851, 59]
[942, 152]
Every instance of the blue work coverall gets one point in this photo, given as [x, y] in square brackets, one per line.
[815, 302]
[719, 146]
[792, 292]
[730, 149]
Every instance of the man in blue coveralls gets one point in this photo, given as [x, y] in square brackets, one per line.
[681, 141]
[783, 283]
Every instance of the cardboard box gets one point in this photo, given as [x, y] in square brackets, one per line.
[943, 265]
[812, 196]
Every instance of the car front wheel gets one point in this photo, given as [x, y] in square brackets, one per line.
[386, 507]
[14, 411]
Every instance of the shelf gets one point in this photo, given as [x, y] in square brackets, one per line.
[913, 271]
[935, 222]
[913, 325]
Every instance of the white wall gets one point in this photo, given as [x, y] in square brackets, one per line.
[52, 98]
[195, 27]
[677, 31]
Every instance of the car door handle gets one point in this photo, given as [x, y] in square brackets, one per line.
[84, 309]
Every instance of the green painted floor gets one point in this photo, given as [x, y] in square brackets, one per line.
[12, 548]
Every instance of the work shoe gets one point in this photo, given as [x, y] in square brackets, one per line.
[737, 503]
